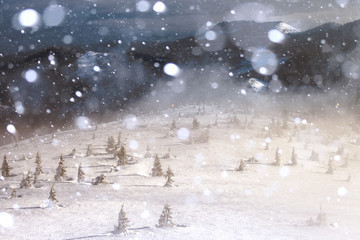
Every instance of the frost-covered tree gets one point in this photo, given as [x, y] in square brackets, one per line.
[123, 222]
[89, 150]
[169, 181]
[38, 169]
[267, 146]
[195, 124]
[121, 156]
[26, 181]
[5, 169]
[294, 161]
[277, 158]
[60, 170]
[241, 166]
[156, 170]
[52, 194]
[165, 219]
[81, 174]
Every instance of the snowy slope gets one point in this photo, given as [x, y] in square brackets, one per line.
[210, 200]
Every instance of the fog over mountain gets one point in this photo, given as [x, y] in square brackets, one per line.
[61, 59]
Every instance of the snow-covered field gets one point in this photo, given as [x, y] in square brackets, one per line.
[209, 199]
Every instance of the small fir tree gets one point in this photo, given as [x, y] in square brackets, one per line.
[277, 158]
[5, 169]
[195, 124]
[89, 150]
[26, 181]
[165, 219]
[241, 166]
[156, 170]
[169, 181]
[294, 161]
[121, 155]
[60, 170]
[123, 222]
[52, 194]
[38, 169]
[81, 174]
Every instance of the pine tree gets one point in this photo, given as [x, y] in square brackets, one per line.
[60, 170]
[38, 169]
[169, 174]
[121, 155]
[123, 222]
[5, 170]
[195, 124]
[156, 170]
[293, 158]
[89, 150]
[81, 174]
[277, 158]
[165, 219]
[52, 195]
[241, 166]
[26, 181]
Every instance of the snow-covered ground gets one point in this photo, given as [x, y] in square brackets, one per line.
[209, 199]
